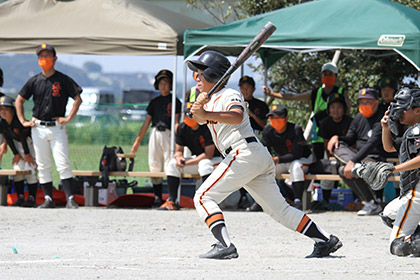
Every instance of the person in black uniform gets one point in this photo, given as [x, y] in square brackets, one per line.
[19, 140]
[257, 109]
[50, 90]
[366, 134]
[292, 153]
[204, 156]
[159, 112]
[3, 145]
[337, 123]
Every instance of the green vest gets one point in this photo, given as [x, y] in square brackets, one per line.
[320, 105]
[193, 90]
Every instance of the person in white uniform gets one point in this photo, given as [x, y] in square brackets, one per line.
[247, 163]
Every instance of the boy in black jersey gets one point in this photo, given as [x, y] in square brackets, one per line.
[19, 140]
[204, 156]
[293, 155]
[159, 114]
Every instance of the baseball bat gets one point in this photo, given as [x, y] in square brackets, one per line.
[252, 47]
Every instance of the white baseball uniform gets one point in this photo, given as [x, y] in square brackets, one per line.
[247, 163]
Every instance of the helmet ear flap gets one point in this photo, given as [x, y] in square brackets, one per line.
[212, 75]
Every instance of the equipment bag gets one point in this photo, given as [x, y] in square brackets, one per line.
[111, 162]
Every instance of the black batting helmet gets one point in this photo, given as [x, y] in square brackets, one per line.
[214, 65]
[1, 77]
[7, 101]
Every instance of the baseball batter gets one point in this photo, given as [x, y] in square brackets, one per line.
[247, 163]
[159, 112]
[19, 140]
[50, 91]
[403, 213]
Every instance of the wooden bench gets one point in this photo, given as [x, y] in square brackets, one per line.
[4, 174]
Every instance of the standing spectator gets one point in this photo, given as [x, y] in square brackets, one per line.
[159, 113]
[257, 109]
[50, 90]
[19, 140]
[247, 163]
[292, 153]
[336, 123]
[366, 134]
[318, 97]
[198, 139]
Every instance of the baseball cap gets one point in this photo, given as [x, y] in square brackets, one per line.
[388, 81]
[329, 66]
[367, 93]
[278, 110]
[45, 47]
[162, 74]
[247, 79]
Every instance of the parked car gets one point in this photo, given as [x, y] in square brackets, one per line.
[134, 103]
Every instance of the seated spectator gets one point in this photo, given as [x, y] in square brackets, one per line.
[365, 134]
[292, 154]
[198, 139]
[19, 140]
[257, 109]
[388, 87]
[336, 123]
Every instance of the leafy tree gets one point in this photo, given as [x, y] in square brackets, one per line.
[92, 67]
[298, 72]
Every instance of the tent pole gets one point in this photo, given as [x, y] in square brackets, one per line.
[173, 106]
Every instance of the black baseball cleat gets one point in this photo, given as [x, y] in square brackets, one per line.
[324, 249]
[48, 203]
[71, 204]
[19, 201]
[221, 252]
[30, 202]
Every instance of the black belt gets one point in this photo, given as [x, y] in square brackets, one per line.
[248, 140]
[48, 123]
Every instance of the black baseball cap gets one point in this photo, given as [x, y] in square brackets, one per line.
[368, 93]
[388, 81]
[278, 110]
[45, 47]
[163, 74]
[247, 79]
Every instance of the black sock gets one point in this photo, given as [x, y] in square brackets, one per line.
[326, 194]
[47, 189]
[379, 194]
[173, 185]
[309, 228]
[217, 225]
[19, 187]
[68, 187]
[158, 190]
[33, 189]
[298, 189]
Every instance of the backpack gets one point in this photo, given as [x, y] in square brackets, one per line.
[110, 162]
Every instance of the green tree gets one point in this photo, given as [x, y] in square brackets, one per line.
[298, 72]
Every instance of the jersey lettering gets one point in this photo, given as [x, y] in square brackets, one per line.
[56, 88]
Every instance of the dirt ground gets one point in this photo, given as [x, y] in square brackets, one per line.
[99, 243]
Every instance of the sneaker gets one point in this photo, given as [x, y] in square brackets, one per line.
[48, 203]
[255, 207]
[370, 208]
[221, 252]
[19, 201]
[158, 202]
[71, 204]
[324, 249]
[168, 205]
[30, 202]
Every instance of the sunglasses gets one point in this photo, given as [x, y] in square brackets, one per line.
[195, 76]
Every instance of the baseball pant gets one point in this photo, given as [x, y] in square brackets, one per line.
[31, 178]
[47, 140]
[159, 152]
[406, 212]
[204, 167]
[249, 165]
[296, 168]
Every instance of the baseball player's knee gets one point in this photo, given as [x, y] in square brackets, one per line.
[156, 181]
[205, 167]
[172, 169]
[296, 171]
[400, 247]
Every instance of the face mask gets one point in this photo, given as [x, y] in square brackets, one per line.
[328, 81]
[278, 124]
[190, 122]
[368, 110]
[46, 63]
